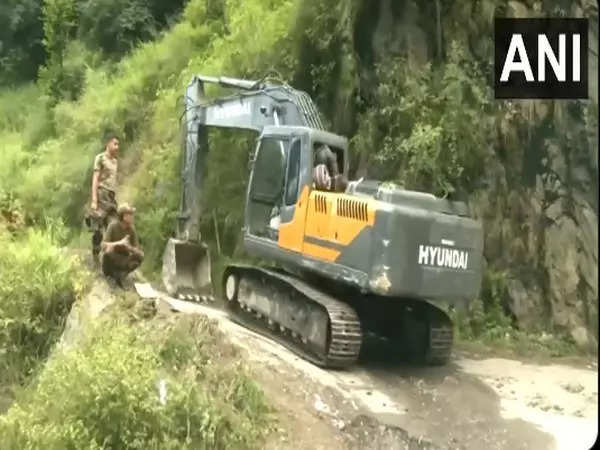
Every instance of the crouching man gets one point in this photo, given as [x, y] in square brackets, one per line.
[121, 252]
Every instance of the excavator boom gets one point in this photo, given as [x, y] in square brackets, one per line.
[259, 104]
[254, 105]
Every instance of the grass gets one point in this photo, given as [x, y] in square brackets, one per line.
[106, 393]
[39, 282]
[17, 105]
[491, 330]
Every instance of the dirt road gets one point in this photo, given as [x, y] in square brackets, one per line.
[468, 404]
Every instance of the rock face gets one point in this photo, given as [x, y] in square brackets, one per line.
[546, 239]
[540, 202]
[85, 312]
[571, 261]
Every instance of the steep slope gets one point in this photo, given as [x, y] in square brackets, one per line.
[409, 82]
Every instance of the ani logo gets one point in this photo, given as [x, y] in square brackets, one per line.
[541, 58]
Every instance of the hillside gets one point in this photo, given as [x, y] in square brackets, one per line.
[411, 92]
[409, 83]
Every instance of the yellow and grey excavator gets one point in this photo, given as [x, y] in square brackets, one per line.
[370, 259]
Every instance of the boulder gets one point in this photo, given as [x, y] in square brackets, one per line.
[558, 163]
[519, 10]
[560, 262]
[580, 336]
[554, 211]
[525, 304]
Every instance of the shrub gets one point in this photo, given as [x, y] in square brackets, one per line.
[116, 26]
[21, 33]
[113, 25]
[60, 22]
[16, 106]
[428, 130]
[39, 127]
[13, 160]
[66, 81]
[487, 320]
[167, 386]
[38, 284]
[11, 213]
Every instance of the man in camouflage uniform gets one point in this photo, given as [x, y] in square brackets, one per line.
[104, 185]
[121, 252]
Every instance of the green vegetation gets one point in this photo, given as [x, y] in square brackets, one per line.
[422, 116]
[138, 97]
[432, 126]
[21, 34]
[156, 384]
[412, 125]
[423, 119]
[487, 322]
[35, 33]
[483, 330]
[39, 281]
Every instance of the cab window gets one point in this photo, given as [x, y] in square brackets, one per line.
[269, 170]
[293, 174]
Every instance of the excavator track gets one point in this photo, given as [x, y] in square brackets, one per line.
[413, 330]
[324, 331]
[336, 321]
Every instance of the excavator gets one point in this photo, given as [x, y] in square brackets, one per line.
[370, 262]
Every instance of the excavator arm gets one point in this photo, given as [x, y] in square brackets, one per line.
[256, 104]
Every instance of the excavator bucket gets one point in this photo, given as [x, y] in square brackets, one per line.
[186, 270]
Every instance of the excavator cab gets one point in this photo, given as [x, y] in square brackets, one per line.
[281, 173]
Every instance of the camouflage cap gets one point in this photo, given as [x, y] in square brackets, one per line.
[124, 209]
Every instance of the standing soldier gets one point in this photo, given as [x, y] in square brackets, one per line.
[104, 185]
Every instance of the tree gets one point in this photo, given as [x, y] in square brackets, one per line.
[60, 21]
[21, 34]
[114, 26]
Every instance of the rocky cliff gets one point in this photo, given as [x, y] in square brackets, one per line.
[536, 191]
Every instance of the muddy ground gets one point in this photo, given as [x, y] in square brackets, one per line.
[472, 403]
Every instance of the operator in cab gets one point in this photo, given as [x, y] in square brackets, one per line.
[121, 252]
[321, 178]
[326, 157]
